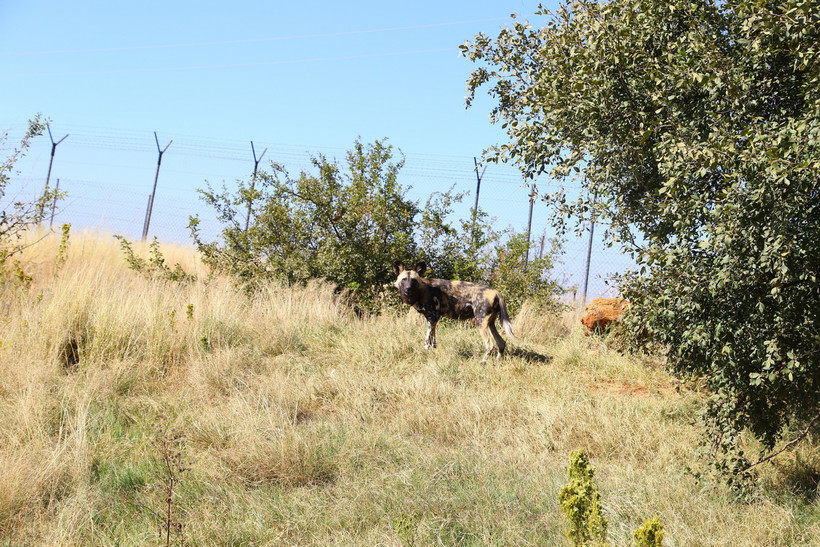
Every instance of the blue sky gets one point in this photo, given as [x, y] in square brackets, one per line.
[317, 74]
[295, 78]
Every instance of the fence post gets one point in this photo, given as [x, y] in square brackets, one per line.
[529, 226]
[589, 250]
[154, 191]
[51, 162]
[253, 181]
[477, 185]
[478, 178]
[54, 203]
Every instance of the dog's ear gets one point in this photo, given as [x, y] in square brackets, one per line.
[398, 267]
[420, 267]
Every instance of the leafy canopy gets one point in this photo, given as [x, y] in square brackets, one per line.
[696, 124]
[344, 222]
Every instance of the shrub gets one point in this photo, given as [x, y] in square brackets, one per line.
[155, 265]
[16, 217]
[650, 534]
[581, 503]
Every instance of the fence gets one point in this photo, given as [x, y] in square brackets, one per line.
[125, 182]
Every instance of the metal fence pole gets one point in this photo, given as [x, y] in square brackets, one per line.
[51, 162]
[154, 191]
[478, 178]
[54, 203]
[529, 226]
[589, 251]
[477, 183]
[253, 181]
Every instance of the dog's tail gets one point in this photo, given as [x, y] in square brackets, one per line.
[505, 317]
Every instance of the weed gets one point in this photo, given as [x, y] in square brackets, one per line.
[581, 503]
[650, 534]
[406, 526]
[62, 249]
[205, 343]
[157, 261]
[169, 446]
[155, 266]
[22, 277]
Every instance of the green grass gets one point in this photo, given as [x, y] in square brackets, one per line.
[303, 425]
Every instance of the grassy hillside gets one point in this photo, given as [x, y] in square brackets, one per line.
[294, 422]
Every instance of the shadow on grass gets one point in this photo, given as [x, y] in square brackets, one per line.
[529, 355]
[477, 352]
[802, 478]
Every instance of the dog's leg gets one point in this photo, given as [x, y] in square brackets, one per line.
[499, 342]
[486, 335]
[430, 342]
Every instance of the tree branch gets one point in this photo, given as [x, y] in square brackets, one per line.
[791, 443]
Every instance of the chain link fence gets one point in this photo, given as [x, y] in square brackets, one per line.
[108, 177]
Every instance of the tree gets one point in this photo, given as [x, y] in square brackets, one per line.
[697, 126]
[16, 217]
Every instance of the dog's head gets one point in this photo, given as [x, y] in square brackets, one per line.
[409, 283]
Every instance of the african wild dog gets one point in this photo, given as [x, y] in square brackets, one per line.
[434, 298]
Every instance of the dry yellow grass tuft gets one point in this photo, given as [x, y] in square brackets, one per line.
[302, 424]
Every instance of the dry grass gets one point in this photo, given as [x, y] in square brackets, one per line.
[302, 424]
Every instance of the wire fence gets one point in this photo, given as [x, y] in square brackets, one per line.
[115, 179]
